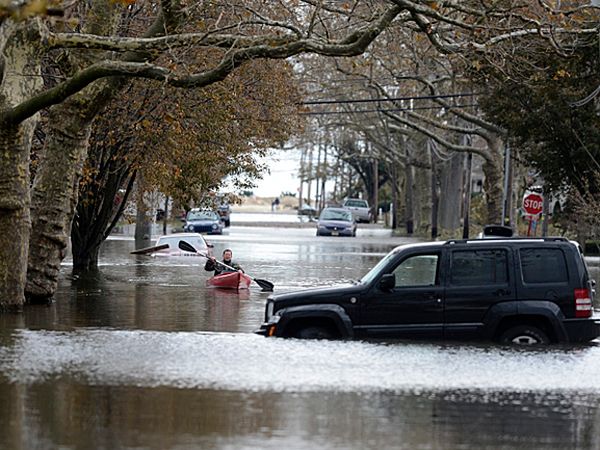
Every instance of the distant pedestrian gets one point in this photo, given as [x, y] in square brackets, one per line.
[275, 204]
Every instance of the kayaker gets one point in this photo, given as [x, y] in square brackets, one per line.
[213, 264]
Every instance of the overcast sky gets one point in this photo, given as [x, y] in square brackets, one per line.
[284, 167]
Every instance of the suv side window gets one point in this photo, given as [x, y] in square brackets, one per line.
[417, 270]
[543, 265]
[479, 267]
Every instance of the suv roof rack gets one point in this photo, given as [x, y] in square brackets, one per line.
[503, 239]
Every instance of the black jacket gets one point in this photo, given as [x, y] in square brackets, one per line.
[218, 268]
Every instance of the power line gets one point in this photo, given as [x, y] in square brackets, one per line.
[318, 113]
[386, 99]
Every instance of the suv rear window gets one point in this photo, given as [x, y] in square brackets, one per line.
[479, 267]
[543, 265]
[357, 203]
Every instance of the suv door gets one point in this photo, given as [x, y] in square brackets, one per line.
[413, 307]
[478, 278]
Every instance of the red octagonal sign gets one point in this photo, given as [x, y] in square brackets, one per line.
[532, 203]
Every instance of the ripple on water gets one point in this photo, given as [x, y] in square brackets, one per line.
[250, 362]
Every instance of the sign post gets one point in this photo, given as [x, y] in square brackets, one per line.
[532, 205]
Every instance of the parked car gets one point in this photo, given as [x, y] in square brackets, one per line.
[496, 231]
[360, 209]
[516, 290]
[203, 221]
[336, 222]
[307, 210]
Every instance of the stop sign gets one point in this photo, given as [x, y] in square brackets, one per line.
[532, 203]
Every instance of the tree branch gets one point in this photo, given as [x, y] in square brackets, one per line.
[353, 45]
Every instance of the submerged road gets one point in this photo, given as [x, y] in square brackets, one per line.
[141, 354]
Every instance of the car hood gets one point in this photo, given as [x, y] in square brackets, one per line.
[330, 294]
[202, 222]
[334, 223]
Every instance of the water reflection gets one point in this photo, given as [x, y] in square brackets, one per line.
[114, 417]
[102, 388]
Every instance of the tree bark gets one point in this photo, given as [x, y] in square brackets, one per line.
[19, 54]
[395, 196]
[435, 196]
[451, 192]
[14, 213]
[409, 194]
[143, 224]
[493, 186]
[57, 179]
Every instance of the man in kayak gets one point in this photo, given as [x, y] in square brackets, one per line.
[213, 264]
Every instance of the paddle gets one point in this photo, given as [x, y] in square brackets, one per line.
[145, 251]
[264, 284]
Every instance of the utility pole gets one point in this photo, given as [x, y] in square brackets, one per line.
[324, 176]
[545, 211]
[309, 176]
[318, 193]
[301, 189]
[375, 199]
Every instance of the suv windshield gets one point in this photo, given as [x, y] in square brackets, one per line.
[202, 215]
[336, 214]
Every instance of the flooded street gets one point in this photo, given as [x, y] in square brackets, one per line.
[142, 355]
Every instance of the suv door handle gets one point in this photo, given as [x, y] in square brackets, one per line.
[501, 292]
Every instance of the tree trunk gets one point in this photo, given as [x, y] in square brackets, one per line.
[493, 170]
[451, 192]
[100, 206]
[15, 224]
[57, 179]
[18, 56]
[435, 196]
[409, 193]
[467, 200]
[143, 224]
[374, 200]
[395, 196]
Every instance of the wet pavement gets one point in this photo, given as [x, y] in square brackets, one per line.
[142, 355]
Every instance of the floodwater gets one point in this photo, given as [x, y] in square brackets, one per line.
[142, 355]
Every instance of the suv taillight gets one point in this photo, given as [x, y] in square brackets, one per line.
[583, 303]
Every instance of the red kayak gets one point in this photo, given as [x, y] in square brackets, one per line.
[230, 280]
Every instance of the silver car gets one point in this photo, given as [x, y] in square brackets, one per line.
[360, 209]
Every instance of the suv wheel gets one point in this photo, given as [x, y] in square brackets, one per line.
[524, 335]
[315, 332]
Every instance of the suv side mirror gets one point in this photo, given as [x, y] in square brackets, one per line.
[387, 282]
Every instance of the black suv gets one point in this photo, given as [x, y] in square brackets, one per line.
[516, 290]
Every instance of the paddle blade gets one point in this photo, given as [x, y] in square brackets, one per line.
[185, 246]
[264, 284]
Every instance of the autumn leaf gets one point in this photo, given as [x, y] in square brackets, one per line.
[433, 5]
[561, 73]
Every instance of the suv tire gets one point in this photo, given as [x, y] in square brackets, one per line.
[314, 332]
[524, 335]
